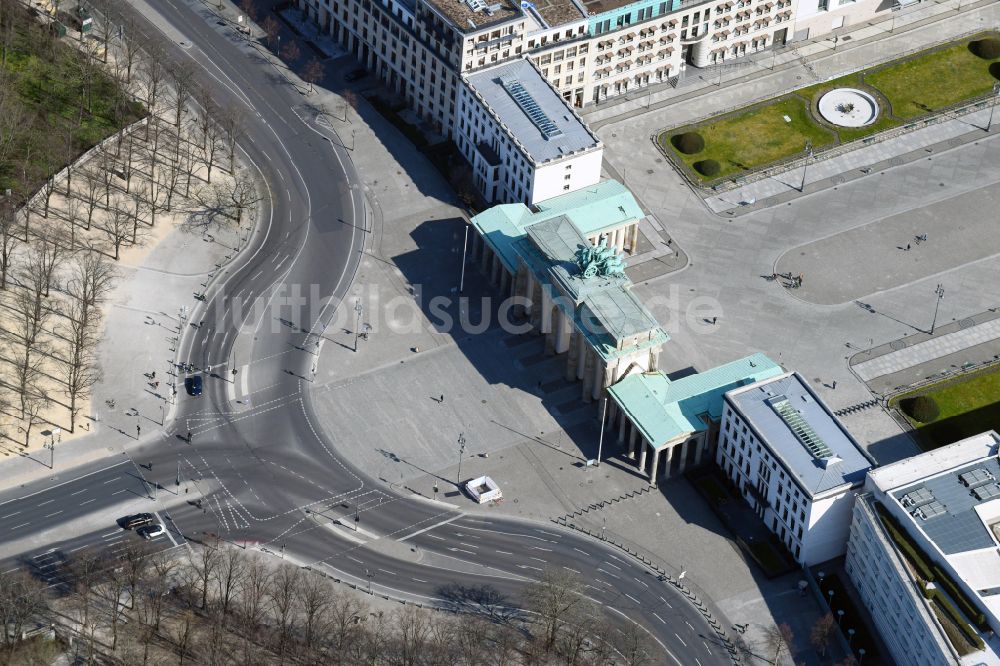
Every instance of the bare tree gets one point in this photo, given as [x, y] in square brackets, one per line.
[291, 52]
[9, 240]
[228, 578]
[182, 78]
[48, 255]
[313, 73]
[413, 629]
[283, 593]
[779, 640]
[22, 600]
[73, 215]
[344, 634]
[315, 600]
[204, 561]
[231, 199]
[271, 28]
[555, 598]
[154, 73]
[249, 8]
[822, 633]
[80, 371]
[231, 122]
[253, 603]
[92, 194]
[185, 634]
[117, 226]
[35, 402]
[211, 150]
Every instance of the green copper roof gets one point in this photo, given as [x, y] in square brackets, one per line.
[663, 410]
[593, 209]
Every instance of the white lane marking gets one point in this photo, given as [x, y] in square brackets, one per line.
[697, 661]
[355, 559]
[502, 552]
[707, 649]
[88, 501]
[434, 536]
[538, 559]
[38, 492]
[119, 491]
[641, 581]
[659, 618]
[581, 551]
[111, 480]
[689, 625]
[419, 580]
[609, 573]
[528, 566]
[11, 570]
[427, 529]
[46, 502]
[21, 525]
[9, 515]
[573, 570]
[470, 545]
[53, 514]
[78, 492]
[244, 383]
[547, 550]
[166, 530]
[80, 548]
[391, 573]
[680, 639]
[462, 550]
[612, 565]
[631, 597]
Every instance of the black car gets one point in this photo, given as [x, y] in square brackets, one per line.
[138, 520]
[193, 385]
[356, 75]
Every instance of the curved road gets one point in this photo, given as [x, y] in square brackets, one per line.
[261, 470]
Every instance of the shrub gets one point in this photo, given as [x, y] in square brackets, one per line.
[995, 70]
[707, 167]
[688, 143]
[987, 49]
[956, 617]
[956, 593]
[920, 408]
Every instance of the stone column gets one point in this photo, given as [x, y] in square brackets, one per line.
[537, 304]
[484, 259]
[642, 455]
[573, 357]
[495, 269]
[584, 354]
[565, 331]
[682, 450]
[699, 451]
[654, 467]
[621, 430]
[588, 375]
[669, 451]
[634, 238]
[632, 436]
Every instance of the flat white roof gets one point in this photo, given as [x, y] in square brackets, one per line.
[534, 114]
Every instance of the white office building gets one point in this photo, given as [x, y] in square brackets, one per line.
[794, 463]
[522, 139]
[946, 506]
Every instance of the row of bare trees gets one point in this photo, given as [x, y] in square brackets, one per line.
[226, 605]
[59, 242]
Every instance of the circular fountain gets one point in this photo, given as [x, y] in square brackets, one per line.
[848, 107]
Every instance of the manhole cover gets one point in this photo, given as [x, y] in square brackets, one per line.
[837, 180]
[895, 161]
[966, 323]
[649, 171]
[896, 345]
[659, 160]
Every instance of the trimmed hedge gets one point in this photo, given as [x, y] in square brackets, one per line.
[707, 167]
[987, 49]
[922, 408]
[915, 557]
[934, 595]
[956, 593]
[688, 143]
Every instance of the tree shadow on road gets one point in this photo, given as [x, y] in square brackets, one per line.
[483, 601]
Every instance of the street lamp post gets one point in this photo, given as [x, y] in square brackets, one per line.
[461, 452]
[850, 636]
[369, 575]
[465, 248]
[357, 328]
[805, 166]
[861, 655]
[600, 441]
[996, 98]
[840, 616]
[939, 292]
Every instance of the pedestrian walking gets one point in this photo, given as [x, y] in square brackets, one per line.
[907, 247]
[156, 385]
[714, 319]
[138, 430]
[442, 398]
[189, 436]
[152, 375]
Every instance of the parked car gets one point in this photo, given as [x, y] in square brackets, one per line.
[138, 520]
[193, 384]
[151, 531]
[356, 75]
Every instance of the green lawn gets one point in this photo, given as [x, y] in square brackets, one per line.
[967, 406]
[66, 104]
[756, 137]
[935, 80]
[759, 136]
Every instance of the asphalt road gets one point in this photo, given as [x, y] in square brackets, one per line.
[260, 470]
